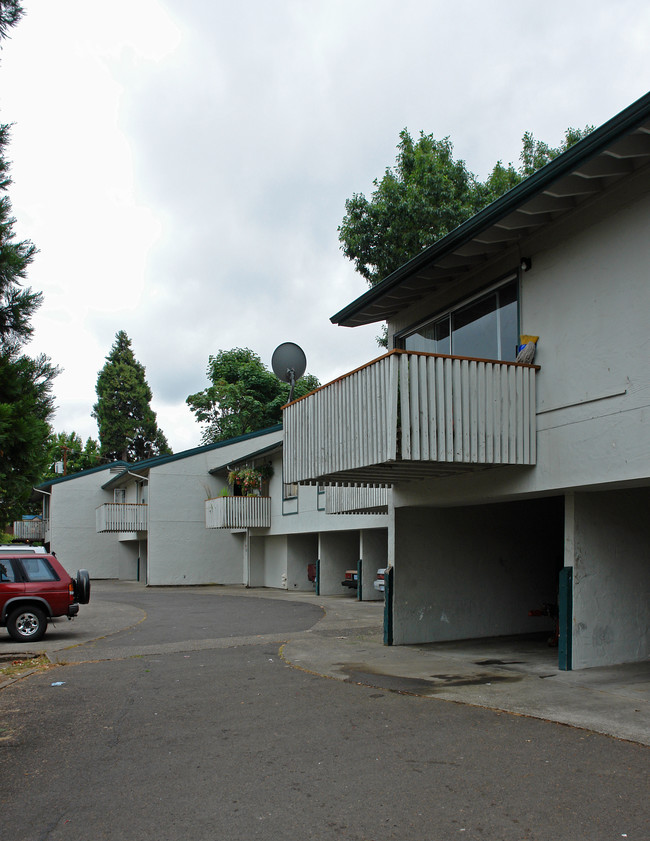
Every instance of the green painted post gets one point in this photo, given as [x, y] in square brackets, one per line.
[359, 582]
[565, 620]
[388, 606]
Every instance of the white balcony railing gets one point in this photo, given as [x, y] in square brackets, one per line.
[29, 529]
[238, 512]
[356, 500]
[412, 415]
[121, 516]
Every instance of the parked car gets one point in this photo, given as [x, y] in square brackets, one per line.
[20, 547]
[35, 588]
[378, 583]
[351, 579]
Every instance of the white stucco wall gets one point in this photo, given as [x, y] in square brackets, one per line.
[610, 554]
[302, 549]
[587, 297]
[307, 512]
[181, 550]
[73, 534]
[475, 571]
[337, 552]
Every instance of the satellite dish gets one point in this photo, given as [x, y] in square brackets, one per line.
[289, 364]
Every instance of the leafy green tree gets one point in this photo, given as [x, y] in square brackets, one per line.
[425, 196]
[69, 449]
[127, 424]
[244, 396]
[26, 404]
[535, 153]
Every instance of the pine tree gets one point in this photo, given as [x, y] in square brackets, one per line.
[127, 424]
[26, 404]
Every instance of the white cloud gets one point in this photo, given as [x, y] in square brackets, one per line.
[183, 168]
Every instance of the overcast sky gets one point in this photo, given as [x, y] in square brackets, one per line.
[183, 165]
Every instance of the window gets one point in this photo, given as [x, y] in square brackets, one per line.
[485, 328]
[119, 495]
[38, 569]
[7, 572]
[290, 490]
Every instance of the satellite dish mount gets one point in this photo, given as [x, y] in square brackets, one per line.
[289, 364]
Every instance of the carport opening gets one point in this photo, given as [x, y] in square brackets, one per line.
[475, 572]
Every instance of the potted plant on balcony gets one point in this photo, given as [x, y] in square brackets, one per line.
[247, 481]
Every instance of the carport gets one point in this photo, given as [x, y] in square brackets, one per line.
[476, 571]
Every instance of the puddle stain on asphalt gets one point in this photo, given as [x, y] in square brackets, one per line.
[365, 674]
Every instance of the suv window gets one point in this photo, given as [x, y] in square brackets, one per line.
[38, 569]
[7, 571]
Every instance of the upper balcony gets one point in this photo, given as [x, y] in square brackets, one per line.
[238, 512]
[121, 517]
[412, 416]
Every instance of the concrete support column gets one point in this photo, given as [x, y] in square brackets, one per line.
[607, 540]
[373, 551]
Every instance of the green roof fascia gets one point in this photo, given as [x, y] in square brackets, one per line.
[146, 464]
[628, 119]
[90, 470]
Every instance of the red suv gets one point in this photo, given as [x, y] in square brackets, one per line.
[35, 588]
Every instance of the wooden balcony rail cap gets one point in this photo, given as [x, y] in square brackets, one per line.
[401, 351]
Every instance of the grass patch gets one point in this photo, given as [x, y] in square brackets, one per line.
[18, 666]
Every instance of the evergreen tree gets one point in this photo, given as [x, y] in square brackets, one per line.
[26, 404]
[127, 424]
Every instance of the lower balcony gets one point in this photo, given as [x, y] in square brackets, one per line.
[356, 499]
[121, 517]
[238, 512]
[29, 529]
[412, 416]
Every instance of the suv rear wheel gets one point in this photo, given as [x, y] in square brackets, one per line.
[27, 624]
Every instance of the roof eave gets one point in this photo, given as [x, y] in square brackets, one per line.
[628, 119]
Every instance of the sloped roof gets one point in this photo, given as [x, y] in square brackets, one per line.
[142, 467]
[265, 451]
[616, 150]
[110, 466]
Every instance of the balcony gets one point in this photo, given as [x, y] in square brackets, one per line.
[121, 517]
[29, 529]
[412, 416]
[238, 512]
[356, 500]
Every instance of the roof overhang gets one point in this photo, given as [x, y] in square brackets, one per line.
[266, 451]
[611, 153]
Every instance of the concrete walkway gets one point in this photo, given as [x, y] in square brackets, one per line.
[514, 675]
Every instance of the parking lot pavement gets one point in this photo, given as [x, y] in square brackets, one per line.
[511, 674]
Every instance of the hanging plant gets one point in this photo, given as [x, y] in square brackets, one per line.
[250, 479]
